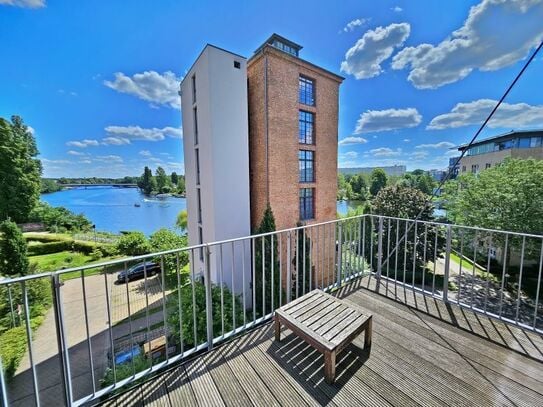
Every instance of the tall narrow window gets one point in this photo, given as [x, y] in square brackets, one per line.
[197, 151]
[306, 122]
[195, 112]
[201, 241]
[306, 91]
[199, 203]
[306, 161]
[307, 203]
[193, 88]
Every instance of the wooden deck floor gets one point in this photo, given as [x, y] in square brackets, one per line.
[456, 359]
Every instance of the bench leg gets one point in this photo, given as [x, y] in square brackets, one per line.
[277, 330]
[367, 333]
[330, 367]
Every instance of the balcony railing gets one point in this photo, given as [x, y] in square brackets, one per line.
[104, 332]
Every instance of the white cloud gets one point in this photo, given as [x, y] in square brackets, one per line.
[385, 152]
[145, 153]
[442, 144]
[364, 59]
[150, 86]
[147, 134]
[419, 155]
[83, 143]
[48, 161]
[351, 25]
[72, 152]
[352, 140]
[479, 44]
[406, 140]
[389, 119]
[85, 161]
[508, 115]
[115, 141]
[109, 158]
[24, 3]
[397, 9]
[350, 154]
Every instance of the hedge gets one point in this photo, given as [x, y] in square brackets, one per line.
[12, 349]
[45, 238]
[69, 245]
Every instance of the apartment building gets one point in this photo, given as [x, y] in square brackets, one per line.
[215, 144]
[293, 132]
[494, 150]
[257, 132]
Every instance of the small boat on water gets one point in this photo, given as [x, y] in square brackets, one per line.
[137, 205]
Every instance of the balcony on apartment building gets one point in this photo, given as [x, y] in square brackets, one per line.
[457, 319]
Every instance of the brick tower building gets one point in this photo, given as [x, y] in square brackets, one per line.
[293, 132]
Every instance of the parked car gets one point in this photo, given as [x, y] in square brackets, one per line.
[138, 271]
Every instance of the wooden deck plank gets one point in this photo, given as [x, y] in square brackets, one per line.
[284, 392]
[494, 356]
[154, 394]
[205, 391]
[347, 390]
[254, 386]
[229, 387]
[178, 387]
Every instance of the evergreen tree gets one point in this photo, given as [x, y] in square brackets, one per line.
[146, 183]
[13, 250]
[161, 179]
[263, 266]
[20, 180]
[175, 178]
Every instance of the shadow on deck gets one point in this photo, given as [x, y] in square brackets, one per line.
[424, 352]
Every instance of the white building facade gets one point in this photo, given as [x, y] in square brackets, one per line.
[215, 143]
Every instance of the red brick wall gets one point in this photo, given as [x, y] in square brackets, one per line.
[281, 172]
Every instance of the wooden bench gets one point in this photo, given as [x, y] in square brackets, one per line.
[326, 323]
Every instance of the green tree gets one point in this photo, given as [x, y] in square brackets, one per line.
[163, 240]
[507, 197]
[359, 187]
[407, 203]
[182, 220]
[264, 265]
[49, 185]
[133, 244]
[181, 185]
[378, 180]
[20, 169]
[58, 219]
[161, 179]
[13, 250]
[147, 183]
[174, 177]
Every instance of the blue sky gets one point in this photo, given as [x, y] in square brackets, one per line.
[97, 81]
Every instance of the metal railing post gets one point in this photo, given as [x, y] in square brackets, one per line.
[4, 394]
[289, 271]
[209, 302]
[339, 254]
[61, 340]
[447, 264]
[379, 253]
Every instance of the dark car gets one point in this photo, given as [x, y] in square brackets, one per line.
[138, 271]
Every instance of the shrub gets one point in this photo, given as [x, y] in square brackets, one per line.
[125, 370]
[133, 244]
[58, 218]
[12, 349]
[13, 250]
[199, 307]
[51, 247]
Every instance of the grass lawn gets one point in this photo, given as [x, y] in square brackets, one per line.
[467, 267]
[67, 259]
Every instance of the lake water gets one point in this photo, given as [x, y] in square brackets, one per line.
[112, 209]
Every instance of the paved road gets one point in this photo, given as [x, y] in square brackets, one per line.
[20, 389]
